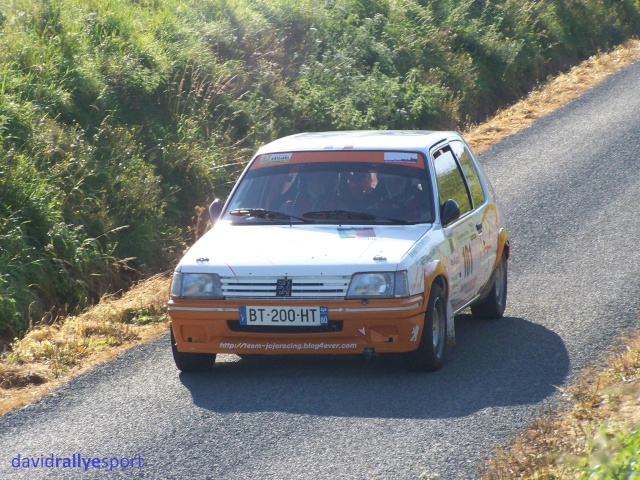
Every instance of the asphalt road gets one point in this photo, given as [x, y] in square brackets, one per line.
[570, 187]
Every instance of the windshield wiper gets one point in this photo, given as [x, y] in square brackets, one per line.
[354, 216]
[309, 217]
[338, 215]
[266, 214]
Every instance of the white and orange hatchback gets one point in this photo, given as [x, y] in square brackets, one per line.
[359, 242]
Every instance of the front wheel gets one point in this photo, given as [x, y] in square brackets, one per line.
[492, 306]
[191, 362]
[430, 352]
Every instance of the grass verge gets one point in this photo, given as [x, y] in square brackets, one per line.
[552, 95]
[50, 354]
[596, 434]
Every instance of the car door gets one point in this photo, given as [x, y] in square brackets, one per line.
[465, 246]
[485, 213]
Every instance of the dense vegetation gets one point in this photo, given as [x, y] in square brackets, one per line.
[118, 118]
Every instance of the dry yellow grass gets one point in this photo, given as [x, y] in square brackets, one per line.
[49, 355]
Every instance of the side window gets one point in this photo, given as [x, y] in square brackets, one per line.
[469, 171]
[449, 179]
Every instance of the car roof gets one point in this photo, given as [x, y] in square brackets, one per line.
[358, 140]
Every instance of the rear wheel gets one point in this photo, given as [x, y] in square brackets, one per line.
[430, 352]
[492, 306]
[191, 362]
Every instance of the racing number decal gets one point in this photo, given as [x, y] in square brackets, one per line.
[468, 260]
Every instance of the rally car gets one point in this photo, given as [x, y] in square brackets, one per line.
[365, 242]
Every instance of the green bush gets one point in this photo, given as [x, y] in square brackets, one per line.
[616, 456]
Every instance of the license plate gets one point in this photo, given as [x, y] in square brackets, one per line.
[285, 316]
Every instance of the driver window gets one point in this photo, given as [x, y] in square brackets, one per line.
[449, 180]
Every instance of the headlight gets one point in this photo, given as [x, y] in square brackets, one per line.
[196, 285]
[379, 284]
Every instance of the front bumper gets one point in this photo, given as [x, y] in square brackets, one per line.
[355, 326]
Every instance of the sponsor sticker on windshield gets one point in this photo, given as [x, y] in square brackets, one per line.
[275, 158]
[401, 157]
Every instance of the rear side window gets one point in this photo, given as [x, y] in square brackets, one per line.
[469, 171]
[449, 179]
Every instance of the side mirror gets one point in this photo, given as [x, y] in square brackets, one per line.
[449, 211]
[215, 209]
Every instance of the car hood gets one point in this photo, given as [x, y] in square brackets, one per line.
[242, 250]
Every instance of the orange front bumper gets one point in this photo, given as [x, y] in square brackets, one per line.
[212, 326]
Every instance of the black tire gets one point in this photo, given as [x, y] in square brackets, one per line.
[191, 362]
[493, 304]
[430, 352]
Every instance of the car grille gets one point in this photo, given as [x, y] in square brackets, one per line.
[302, 287]
[332, 327]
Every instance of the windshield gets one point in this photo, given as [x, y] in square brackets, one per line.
[334, 187]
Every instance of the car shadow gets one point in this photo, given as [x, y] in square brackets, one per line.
[504, 362]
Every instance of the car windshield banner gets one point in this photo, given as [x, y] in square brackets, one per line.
[412, 159]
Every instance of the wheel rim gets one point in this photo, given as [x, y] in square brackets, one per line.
[438, 327]
[500, 276]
